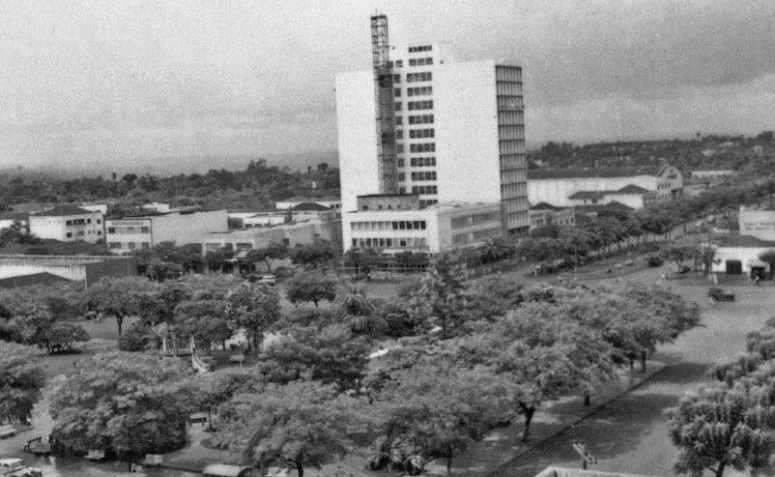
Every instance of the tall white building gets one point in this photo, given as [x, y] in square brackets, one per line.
[459, 130]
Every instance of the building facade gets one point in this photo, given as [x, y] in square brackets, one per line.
[180, 227]
[757, 223]
[543, 214]
[68, 223]
[635, 187]
[328, 229]
[459, 133]
[434, 229]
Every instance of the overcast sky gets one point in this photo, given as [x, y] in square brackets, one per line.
[102, 80]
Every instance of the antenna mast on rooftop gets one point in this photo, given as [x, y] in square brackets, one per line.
[385, 105]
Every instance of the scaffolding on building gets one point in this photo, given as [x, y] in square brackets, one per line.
[385, 106]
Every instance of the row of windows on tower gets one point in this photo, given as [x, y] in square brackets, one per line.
[420, 61]
[418, 176]
[419, 119]
[414, 77]
[416, 105]
[418, 162]
[417, 49]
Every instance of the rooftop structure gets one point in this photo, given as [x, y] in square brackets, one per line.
[68, 223]
[634, 187]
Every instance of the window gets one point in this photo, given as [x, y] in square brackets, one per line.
[421, 133]
[397, 92]
[399, 133]
[99, 232]
[400, 163]
[111, 230]
[417, 49]
[422, 119]
[417, 105]
[424, 176]
[399, 120]
[88, 221]
[68, 222]
[69, 235]
[399, 63]
[131, 245]
[146, 245]
[398, 105]
[396, 78]
[99, 221]
[145, 230]
[402, 176]
[412, 62]
[423, 147]
[415, 77]
[400, 148]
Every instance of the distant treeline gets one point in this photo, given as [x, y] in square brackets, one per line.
[258, 186]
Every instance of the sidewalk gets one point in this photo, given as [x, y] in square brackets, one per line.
[505, 444]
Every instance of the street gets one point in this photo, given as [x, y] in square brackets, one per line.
[630, 435]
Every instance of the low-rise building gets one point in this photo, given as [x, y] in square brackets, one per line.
[543, 214]
[712, 174]
[68, 223]
[631, 186]
[434, 229]
[291, 234]
[739, 255]
[180, 227]
[333, 203]
[81, 271]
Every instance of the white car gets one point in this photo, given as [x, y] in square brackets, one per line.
[17, 468]
[268, 279]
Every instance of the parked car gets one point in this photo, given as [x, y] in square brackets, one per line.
[17, 468]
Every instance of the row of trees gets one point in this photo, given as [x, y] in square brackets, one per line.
[473, 356]
[166, 261]
[731, 422]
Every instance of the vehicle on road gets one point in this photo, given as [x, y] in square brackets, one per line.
[17, 468]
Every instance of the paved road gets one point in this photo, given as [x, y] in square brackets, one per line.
[630, 434]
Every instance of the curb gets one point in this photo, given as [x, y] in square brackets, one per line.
[594, 409]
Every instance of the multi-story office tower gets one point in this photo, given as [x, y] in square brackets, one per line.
[459, 133]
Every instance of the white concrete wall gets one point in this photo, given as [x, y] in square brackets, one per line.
[749, 256]
[557, 191]
[55, 227]
[431, 232]
[467, 153]
[118, 239]
[188, 228]
[757, 223]
[357, 133]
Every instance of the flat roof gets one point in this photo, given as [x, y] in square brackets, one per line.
[741, 241]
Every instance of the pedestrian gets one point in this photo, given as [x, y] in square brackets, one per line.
[757, 279]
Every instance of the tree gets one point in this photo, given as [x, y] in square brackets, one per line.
[63, 335]
[119, 297]
[216, 259]
[310, 287]
[331, 355]
[314, 254]
[21, 380]
[440, 296]
[302, 424]
[768, 257]
[204, 320]
[718, 427]
[273, 251]
[128, 403]
[680, 250]
[255, 308]
[436, 412]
